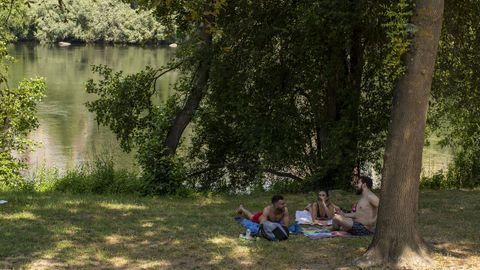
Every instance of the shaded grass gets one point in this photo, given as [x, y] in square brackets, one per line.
[58, 231]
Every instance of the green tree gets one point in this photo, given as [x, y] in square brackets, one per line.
[17, 113]
[157, 130]
[456, 92]
[304, 95]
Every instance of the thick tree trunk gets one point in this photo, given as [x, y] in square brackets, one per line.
[355, 84]
[397, 241]
[184, 117]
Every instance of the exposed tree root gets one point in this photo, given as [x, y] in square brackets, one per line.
[405, 259]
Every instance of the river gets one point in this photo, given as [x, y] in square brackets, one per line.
[68, 135]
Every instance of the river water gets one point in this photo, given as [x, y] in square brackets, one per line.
[68, 134]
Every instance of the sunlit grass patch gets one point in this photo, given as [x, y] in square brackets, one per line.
[59, 231]
[19, 215]
[121, 206]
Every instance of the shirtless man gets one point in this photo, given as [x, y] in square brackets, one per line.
[276, 212]
[363, 220]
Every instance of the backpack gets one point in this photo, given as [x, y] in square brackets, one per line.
[273, 231]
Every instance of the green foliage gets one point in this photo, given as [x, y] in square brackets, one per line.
[125, 102]
[436, 181]
[109, 21]
[97, 178]
[301, 91]
[14, 20]
[300, 88]
[454, 113]
[464, 172]
[17, 120]
[127, 106]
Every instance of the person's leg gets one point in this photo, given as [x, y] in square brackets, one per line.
[344, 222]
[359, 229]
[243, 211]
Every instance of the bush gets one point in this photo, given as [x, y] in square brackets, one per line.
[17, 119]
[97, 178]
[162, 174]
[110, 21]
[464, 172]
[436, 181]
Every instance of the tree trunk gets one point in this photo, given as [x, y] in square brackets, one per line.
[200, 81]
[4, 130]
[397, 241]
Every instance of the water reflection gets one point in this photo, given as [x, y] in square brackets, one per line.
[68, 133]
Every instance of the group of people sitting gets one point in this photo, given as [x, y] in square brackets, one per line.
[360, 220]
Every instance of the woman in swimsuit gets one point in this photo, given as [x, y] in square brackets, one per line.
[322, 208]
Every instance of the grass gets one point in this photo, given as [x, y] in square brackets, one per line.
[58, 231]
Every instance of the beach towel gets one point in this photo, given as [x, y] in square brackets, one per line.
[329, 235]
[254, 227]
[315, 233]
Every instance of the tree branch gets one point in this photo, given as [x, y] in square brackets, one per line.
[168, 70]
[163, 73]
[246, 165]
[9, 12]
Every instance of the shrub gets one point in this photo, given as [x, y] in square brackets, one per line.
[100, 177]
[110, 21]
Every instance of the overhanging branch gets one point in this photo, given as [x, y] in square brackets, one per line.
[248, 166]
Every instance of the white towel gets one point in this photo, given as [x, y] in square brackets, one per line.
[303, 217]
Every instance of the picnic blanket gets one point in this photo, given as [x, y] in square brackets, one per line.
[311, 232]
[315, 233]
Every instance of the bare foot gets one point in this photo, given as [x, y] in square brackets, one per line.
[240, 209]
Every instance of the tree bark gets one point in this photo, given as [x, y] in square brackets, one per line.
[4, 130]
[397, 241]
[200, 81]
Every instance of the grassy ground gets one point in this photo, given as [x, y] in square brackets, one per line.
[55, 231]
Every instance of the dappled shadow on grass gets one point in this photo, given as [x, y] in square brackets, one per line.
[449, 222]
[73, 231]
[65, 231]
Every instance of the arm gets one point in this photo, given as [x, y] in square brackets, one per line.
[331, 211]
[314, 212]
[264, 216]
[374, 200]
[286, 217]
[351, 215]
